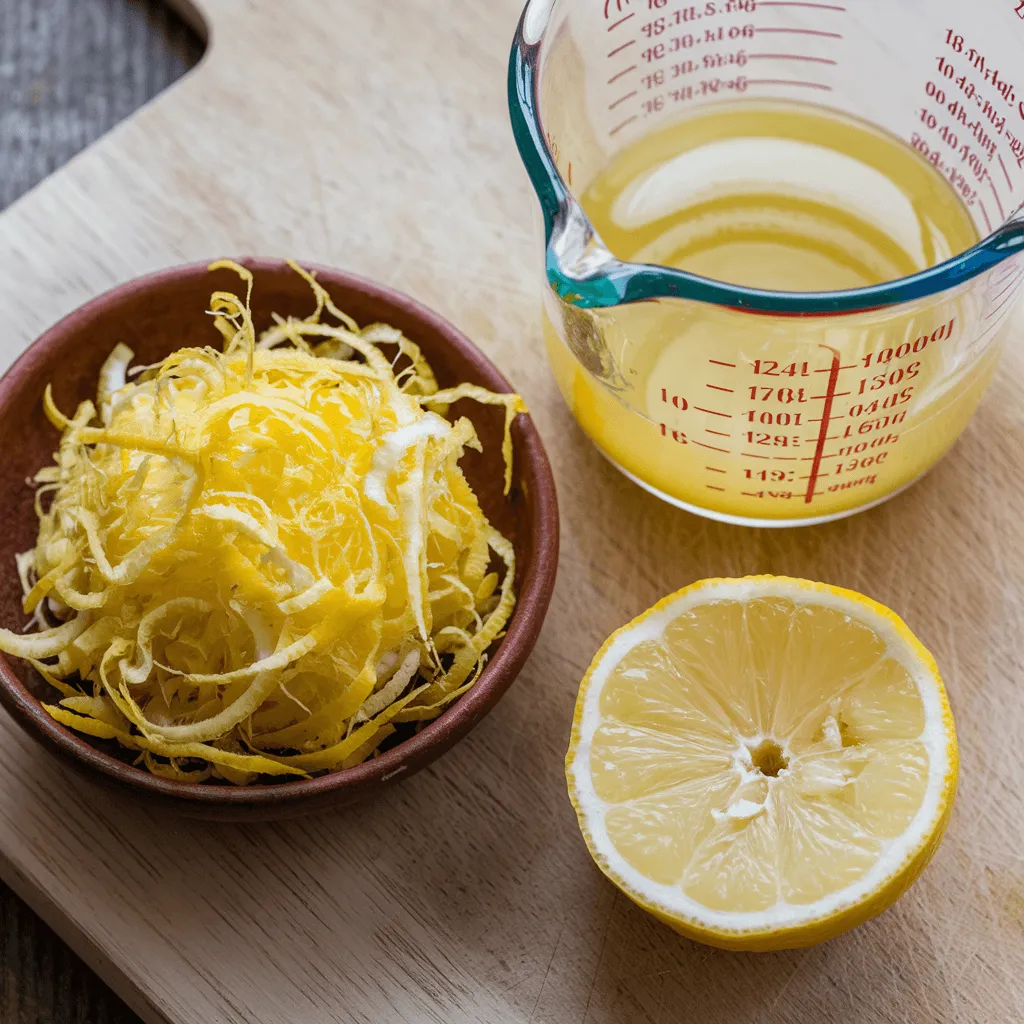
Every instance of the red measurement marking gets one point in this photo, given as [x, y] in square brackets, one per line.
[751, 455]
[713, 448]
[619, 127]
[789, 56]
[1006, 174]
[711, 412]
[621, 21]
[569, 172]
[622, 99]
[714, 469]
[715, 387]
[1002, 305]
[802, 32]
[992, 314]
[1015, 274]
[619, 49]
[793, 3]
[717, 433]
[750, 494]
[1009, 287]
[615, 78]
[712, 487]
[826, 412]
[999, 202]
[1005, 275]
[997, 301]
[847, 366]
[833, 394]
[984, 214]
[608, 6]
[718, 362]
[788, 81]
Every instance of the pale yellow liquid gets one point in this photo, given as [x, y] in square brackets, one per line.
[784, 197]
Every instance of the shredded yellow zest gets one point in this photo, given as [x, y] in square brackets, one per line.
[261, 560]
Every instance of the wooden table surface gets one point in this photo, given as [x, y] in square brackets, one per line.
[374, 136]
[69, 71]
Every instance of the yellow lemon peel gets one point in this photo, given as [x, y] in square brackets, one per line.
[260, 560]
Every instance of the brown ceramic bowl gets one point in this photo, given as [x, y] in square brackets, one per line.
[157, 314]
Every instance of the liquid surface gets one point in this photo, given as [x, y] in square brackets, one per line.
[778, 196]
[760, 417]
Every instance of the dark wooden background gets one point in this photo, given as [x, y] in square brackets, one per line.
[69, 71]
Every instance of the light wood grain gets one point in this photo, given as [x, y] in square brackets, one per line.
[373, 136]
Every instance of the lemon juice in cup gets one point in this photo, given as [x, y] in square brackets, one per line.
[764, 309]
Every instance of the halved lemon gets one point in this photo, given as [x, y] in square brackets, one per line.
[763, 763]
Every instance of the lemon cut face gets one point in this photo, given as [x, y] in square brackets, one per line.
[764, 762]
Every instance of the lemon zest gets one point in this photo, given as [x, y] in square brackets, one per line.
[266, 556]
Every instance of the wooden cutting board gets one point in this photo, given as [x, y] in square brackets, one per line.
[374, 136]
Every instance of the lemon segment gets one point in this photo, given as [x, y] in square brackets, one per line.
[763, 763]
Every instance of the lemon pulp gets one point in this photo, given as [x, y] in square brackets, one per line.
[763, 763]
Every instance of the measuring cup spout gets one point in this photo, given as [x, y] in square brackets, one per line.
[576, 250]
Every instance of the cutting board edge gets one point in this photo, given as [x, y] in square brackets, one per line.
[62, 924]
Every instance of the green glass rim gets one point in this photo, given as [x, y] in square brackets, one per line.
[616, 282]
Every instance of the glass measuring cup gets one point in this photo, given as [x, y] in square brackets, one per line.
[769, 407]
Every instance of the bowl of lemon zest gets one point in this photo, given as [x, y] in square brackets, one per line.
[261, 561]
